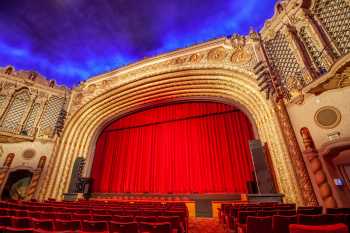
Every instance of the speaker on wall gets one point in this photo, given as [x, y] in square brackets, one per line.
[263, 175]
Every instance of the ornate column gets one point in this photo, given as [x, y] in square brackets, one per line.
[312, 155]
[295, 154]
[35, 178]
[273, 81]
[4, 170]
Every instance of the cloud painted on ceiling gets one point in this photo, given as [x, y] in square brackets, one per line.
[72, 40]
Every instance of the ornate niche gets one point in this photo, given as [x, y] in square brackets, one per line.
[30, 106]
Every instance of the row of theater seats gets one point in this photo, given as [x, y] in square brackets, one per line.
[280, 218]
[93, 217]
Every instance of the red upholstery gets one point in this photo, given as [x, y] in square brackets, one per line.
[335, 228]
[66, 225]
[310, 210]
[5, 221]
[14, 229]
[259, 224]
[120, 227]
[306, 219]
[21, 222]
[280, 223]
[287, 212]
[146, 219]
[94, 226]
[63, 216]
[43, 224]
[118, 218]
[154, 227]
[102, 217]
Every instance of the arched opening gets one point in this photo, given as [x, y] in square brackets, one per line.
[16, 184]
[182, 147]
[124, 95]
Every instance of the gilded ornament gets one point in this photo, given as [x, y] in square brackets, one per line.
[217, 54]
[241, 56]
[194, 58]
[91, 88]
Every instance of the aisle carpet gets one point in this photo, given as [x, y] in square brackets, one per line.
[205, 225]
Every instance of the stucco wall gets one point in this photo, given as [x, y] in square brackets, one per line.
[303, 115]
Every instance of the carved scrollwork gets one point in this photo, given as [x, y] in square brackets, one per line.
[217, 54]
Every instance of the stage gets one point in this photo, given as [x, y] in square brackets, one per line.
[199, 204]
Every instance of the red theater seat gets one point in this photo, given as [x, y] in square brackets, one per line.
[335, 228]
[145, 227]
[306, 219]
[102, 217]
[67, 225]
[310, 210]
[13, 230]
[21, 222]
[5, 221]
[43, 224]
[280, 223]
[118, 218]
[94, 226]
[259, 224]
[121, 227]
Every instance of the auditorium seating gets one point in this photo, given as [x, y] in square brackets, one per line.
[276, 218]
[93, 216]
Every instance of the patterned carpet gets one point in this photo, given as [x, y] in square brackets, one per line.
[205, 225]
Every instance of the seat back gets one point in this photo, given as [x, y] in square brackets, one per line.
[308, 219]
[310, 210]
[280, 223]
[118, 218]
[259, 224]
[43, 224]
[100, 217]
[93, 226]
[154, 227]
[334, 228]
[5, 221]
[22, 222]
[67, 225]
[242, 216]
[122, 227]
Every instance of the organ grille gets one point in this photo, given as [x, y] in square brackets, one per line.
[315, 54]
[334, 15]
[29, 128]
[50, 116]
[284, 63]
[15, 112]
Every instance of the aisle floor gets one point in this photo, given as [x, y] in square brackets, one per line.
[206, 225]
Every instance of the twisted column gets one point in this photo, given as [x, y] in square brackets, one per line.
[295, 154]
[312, 155]
[4, 170]
[35, 178]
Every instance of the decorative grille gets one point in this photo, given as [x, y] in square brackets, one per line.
[50, 116]
[334, 15]
[2, 101]
[284, 63]
[315, 54]
[15, 112]
[28, 128]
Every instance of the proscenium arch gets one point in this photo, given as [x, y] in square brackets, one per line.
[235, 86]
[90, 159]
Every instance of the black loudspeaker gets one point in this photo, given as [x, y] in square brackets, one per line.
[252, 187]
[263, 175]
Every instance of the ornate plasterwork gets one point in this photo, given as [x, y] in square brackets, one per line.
[201, 72]
[337, 77]
[222, 55]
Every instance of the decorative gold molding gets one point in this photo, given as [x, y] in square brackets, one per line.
[178, 81]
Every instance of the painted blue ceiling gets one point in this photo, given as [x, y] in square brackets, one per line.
[72, 40]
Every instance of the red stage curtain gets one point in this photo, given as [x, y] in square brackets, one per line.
[180, 148]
